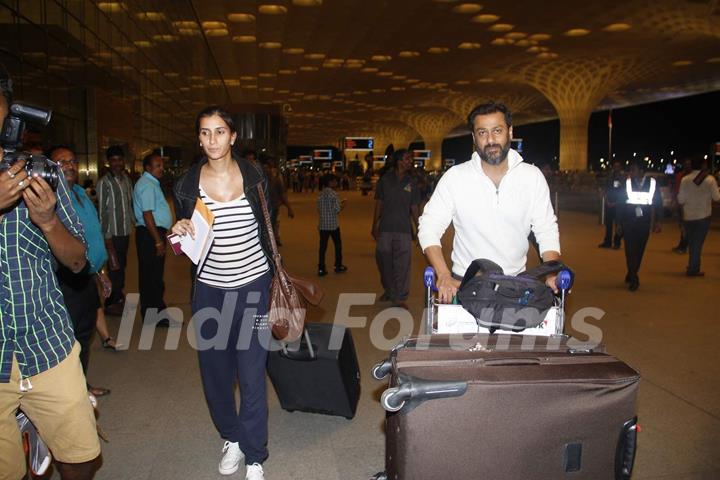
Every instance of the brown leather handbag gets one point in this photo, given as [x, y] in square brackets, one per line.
[289, 295]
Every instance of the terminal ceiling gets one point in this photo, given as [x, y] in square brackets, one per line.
[394, 69]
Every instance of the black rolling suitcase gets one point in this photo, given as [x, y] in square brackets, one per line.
[319, 373]
[507, 407]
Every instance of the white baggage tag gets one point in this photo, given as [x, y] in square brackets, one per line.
[638, 212]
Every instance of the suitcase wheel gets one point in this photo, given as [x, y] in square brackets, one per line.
[390, 402]
[381, 370]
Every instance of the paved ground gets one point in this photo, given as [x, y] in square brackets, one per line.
[159, 427]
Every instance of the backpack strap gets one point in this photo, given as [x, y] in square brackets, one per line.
[545, 268]
[481, 265]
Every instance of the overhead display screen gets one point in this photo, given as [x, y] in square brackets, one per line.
[358, 143]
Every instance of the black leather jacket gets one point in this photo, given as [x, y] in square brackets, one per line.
[186, 192]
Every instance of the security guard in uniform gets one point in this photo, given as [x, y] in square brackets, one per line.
[640, 214]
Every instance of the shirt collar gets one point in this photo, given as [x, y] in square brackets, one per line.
[151, 177]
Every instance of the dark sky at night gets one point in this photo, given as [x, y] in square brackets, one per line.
[688, 126]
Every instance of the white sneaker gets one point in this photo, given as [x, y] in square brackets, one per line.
[230, 462]
[254, 472]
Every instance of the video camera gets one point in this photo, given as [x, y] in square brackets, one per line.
[11, 139]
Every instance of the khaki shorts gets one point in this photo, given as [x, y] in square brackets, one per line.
[58, 406]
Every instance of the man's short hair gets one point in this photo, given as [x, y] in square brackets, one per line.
[148, 159]
[114, 151]
[697, 162]
[487, 109]
[249, 151]
[55, 148]
[640, 164]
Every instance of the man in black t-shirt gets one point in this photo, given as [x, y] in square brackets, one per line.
[614, 194]
[397, 197]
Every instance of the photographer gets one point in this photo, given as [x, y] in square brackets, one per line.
[40, 370]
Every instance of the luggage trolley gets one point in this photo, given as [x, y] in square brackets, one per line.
[453, 318]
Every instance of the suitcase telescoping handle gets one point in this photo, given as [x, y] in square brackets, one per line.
[412, 391]
[306, 354]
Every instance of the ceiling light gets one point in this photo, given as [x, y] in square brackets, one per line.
[408, 54]
[188, 32]
[523, 43]
[577, 32]
[617, 27]
[307, 3]
[185, 24]
[217, 32]
[184, 89]
[485, 80]
[548, 55]
[501, 27]
[308, 68]
[682, 63]
[125, 49]
[210, 25]
[195, 78]
[165, 38]
[332, 65]
[469, 46]
[249, 86]
[485, 18]
[151, 16]
[438, 50]
[283, 92]
[293, 51]
[270, 45]
[241, 17]
[171, 74]
[142, 43]
[534, 50]
[359, 92]
[385, 74]
[462, 82]
[267, 75]
[397, 89]
[272, 9]
[378, 90]
[315, 56]
[267, 89]
[501, 41]
[353, 65]
[381, 58]
[286, 72]
[216, 82]
[122, 68]
[540, 37]
[398, 77]
[370, 70]
[111, 7]
[154, 71]
[713, 60]
[515, 35]
[412, 80]
[244, 39]
[467, 8]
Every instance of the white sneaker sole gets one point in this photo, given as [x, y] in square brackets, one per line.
[229, 471]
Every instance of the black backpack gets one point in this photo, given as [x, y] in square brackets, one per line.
[499, 301]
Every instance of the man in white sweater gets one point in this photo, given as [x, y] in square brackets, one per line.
[494, 201]
[698, 190]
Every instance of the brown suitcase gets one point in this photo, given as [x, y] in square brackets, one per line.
[507, 407]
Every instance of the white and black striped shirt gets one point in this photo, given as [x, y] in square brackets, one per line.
[236, 257]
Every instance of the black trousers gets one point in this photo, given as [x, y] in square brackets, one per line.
[232, 349]
[151, 270]
[636, 233]
[324, 236]
[82, 302]
[117, 277]
[610, 221]
[695, 233]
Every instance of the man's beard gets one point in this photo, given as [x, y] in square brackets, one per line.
[493, 159]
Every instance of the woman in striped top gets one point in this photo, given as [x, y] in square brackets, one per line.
[231, 291]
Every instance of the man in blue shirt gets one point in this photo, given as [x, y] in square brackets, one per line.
[152, 220]
[80, 289]
[40, 372]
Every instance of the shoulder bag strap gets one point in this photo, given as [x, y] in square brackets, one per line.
[481, 265]
[268, 226]
[545, 268]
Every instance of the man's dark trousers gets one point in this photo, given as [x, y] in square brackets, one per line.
[695, 233]
[117, 277]
[636, 235]
[151, 269]
[324, 236]
[610, 221]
